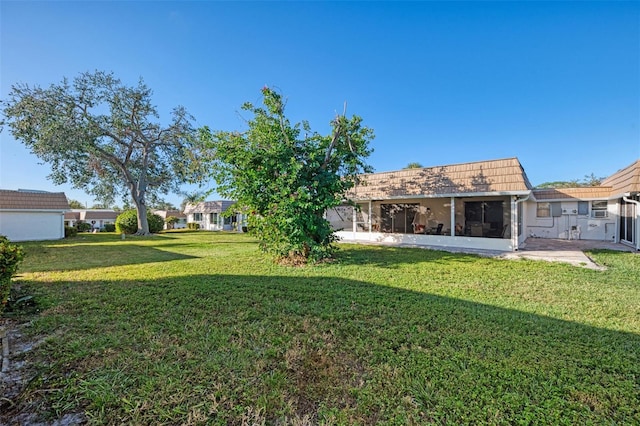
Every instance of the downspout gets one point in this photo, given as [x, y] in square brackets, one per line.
[637, 203]
[514, 224]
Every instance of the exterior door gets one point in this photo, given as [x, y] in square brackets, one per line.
[627, 222]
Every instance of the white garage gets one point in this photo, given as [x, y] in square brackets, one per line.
[27, 215]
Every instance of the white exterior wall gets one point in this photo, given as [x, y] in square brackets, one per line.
[207, 225]
[445, 241]
[600, 229]
[32, 226]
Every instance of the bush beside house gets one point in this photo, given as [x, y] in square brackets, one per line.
[10, 257]
[127, 222]
[70, 231]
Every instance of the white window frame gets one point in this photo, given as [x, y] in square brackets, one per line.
[599, 209]
[541, 209]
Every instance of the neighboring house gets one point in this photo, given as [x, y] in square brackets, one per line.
[27, 215]
[97, 218]
[486, 205]
[182, 218]
[209, 215]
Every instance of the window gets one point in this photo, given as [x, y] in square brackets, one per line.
[229, 220]
[213, 218]
[543, 210]
[583, 208]
[397, 217]
[599, 209]
[197, 217]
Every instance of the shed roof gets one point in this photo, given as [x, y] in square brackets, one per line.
[624, 180]
[582, 193]
[499, 176]
[219, 206]
[33, 200]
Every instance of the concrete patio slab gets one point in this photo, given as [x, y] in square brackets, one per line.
[567, 251]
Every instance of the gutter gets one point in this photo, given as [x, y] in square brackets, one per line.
[637, 203]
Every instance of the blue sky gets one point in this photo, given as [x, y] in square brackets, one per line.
[556, 84]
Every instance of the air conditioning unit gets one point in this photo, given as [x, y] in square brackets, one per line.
[600, 213]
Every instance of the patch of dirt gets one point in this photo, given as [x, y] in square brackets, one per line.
[16, 375]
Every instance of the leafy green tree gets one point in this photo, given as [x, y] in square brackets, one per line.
[100, 206]
[414, 166]
[163, 205]
[171, 221]
[286, 176]
[592, 180]
[559, 184]
[192, 197]
[75, 204]
[589, 180]
[103, 137]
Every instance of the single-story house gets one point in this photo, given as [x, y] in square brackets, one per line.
[29, 215]
[486, 205]
[182, 218]
[97, 218]
[209, 215]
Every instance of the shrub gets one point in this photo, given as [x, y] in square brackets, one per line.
[70, 231]
[171, 221]
[83, 226]
[110, 227]
[127, 222]
[10, 256]
[193, 225]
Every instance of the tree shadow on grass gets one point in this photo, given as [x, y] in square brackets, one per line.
[279, 347]
[387, 257]
[75, 257]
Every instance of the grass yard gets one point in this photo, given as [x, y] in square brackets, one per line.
[200, 328]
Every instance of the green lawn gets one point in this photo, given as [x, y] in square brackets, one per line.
[200, 328]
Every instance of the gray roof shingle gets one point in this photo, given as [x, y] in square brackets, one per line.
[499, 176]
[33, 200]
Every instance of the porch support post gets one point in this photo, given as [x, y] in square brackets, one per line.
[370, 216]
[355, 217]
[452, 232]
[514, 223]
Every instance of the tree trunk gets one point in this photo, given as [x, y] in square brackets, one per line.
[141, 211]
[143, 223]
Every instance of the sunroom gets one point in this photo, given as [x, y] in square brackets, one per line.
[471, 205]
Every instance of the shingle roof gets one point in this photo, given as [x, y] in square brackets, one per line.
[502, 176]
[208, 207]
[98, 214]
[32, 200]
[72, 216]
[582, 193]
[624, 180]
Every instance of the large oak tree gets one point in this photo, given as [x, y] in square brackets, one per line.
[104, 137]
